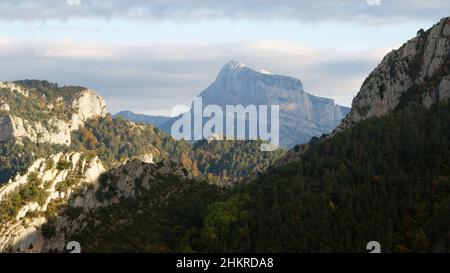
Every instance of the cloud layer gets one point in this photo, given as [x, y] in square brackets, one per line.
[180, 10]
[153, 78]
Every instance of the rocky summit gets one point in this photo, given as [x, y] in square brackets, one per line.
[44, 112]
[302, 115]
[418, 72]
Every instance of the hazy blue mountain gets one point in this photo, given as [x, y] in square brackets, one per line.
[302, 115]
[153, 120]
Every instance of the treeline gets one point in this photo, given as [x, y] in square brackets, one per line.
[16, 158]
[386, 180]
[226, 162]
[115, 140]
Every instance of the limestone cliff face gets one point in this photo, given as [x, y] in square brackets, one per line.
[302, 115]
[136, 176]
[417, 72]
[15, 88]
[66, 207]
[51, 123]
[146, 158]
[70, 180]
[18, 128]
[85, 105]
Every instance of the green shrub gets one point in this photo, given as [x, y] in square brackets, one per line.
[62, 186]
[64, 165]
[49, 164]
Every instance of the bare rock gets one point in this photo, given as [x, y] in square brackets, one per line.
[418, 61]
[84, 105]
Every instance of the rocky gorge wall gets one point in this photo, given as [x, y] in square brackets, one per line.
[50, 128]
[23, 233]
[418, 68]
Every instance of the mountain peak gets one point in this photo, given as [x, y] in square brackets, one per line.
[302, 115]
[237, 65]
[238, 69]
[234, 65]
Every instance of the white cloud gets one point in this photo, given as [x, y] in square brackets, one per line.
[73, 2]
[153, 78]
[374, 2]
[182, 10]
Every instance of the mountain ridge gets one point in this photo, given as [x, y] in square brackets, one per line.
[418, 72]
[45, 112]
[383, 175]
[132, 116]
[302, 115]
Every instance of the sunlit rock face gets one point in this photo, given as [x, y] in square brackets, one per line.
[85, 105]
[24, 232]
[418, 72]
[302, 115]
[54, 122]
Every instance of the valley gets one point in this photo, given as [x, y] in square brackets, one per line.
[70, 171]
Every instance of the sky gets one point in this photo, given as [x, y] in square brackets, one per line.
[148, 56]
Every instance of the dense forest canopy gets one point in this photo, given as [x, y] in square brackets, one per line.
[116, 140]
[385, 179]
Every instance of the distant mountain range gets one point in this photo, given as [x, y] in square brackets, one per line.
[302, 115]
[153, 120]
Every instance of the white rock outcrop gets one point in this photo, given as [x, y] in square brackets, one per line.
[146, 158]
[14, 88]
[57, 131]
[4, 107]
[417, 62]
[24, 232]
[83, 105]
